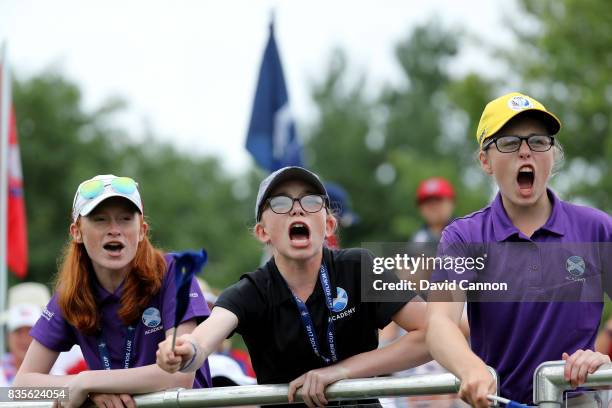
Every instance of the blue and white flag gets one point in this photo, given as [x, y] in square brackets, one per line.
[187, 264]
[272, 138]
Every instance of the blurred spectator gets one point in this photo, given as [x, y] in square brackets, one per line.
[339, 204]
[26, 302]
[436, 201]
[21, 318]
[29, 292]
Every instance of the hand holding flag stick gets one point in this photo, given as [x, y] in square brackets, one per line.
[186, 265]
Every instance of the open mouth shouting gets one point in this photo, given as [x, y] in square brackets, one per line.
[299, 234]
[526, 179]
[113, 248]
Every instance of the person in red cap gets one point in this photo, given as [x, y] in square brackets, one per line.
[436, 201]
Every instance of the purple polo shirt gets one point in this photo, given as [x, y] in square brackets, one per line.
[55, 333]
[515, 337]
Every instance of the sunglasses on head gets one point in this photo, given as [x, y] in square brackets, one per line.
[93, 188]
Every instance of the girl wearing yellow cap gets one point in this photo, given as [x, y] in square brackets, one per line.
[519, 148]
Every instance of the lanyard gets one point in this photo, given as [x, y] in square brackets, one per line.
[103, 348]
[309, 326]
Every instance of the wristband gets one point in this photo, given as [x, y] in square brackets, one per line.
[183, 368]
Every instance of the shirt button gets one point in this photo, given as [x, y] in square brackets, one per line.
[534, 267]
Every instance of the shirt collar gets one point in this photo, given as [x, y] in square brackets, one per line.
[504, 229]
[502, 226]
[102, 294]
[280, 292]
[555, 222]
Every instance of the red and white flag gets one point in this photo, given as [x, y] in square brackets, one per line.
[16, 231]
[17, 239]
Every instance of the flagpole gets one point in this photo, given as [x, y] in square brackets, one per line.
[5, 106]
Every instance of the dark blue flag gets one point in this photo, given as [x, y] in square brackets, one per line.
[186, 265]
[272, 138]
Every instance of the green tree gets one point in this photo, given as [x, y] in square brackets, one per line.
[192, 203]
[59, 144]
[380, 149]
[337, 146]
[426, 133]
[189, 201]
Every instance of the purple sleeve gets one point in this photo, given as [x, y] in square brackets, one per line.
[52, 330]
[197, 308]
[452, 245]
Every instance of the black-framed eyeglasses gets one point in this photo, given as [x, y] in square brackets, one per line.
[510, 143]
[310, 203]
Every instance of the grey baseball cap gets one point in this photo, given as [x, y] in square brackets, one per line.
[282, 175]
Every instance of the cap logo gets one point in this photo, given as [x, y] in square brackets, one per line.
[518, 103]
[482, 135]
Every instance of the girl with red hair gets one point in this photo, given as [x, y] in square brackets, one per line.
[115, 297]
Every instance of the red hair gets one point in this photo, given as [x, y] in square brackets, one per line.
[74, 285]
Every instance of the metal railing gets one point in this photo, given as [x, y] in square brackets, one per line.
[344, 390]
[548, 387]
[549, 382]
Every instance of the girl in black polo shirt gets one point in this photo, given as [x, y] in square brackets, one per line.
[301, 314]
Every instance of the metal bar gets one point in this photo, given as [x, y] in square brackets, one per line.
[549, 382]
[362, 388]
[342, 390]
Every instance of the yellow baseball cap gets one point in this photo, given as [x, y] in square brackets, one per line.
[499, 111]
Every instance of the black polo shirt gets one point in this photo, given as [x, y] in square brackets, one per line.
[270, 323]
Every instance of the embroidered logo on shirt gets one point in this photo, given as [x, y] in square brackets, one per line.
[151, 317]
[341, 300]
[575, 267]
[340, 316]
[47, 314]
[153, 330]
